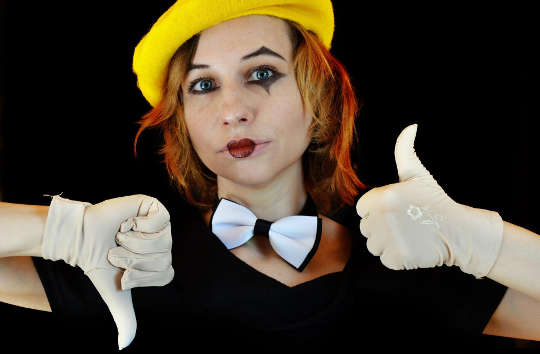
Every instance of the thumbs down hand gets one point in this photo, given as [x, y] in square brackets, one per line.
[82, 235]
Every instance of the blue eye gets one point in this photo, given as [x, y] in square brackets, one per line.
[262, 74]
[204, 83]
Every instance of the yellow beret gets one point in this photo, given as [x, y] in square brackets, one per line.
[186, 18]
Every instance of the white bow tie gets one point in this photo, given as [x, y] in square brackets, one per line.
[295, 238]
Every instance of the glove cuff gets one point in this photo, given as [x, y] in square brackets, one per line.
[486, 240]
[62, 238]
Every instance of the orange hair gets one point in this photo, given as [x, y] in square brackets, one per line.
[326, 90]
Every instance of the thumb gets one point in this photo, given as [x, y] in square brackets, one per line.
[107, 283]
[151, 216]
[408, 164]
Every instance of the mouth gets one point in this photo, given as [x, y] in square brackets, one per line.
[244, 147]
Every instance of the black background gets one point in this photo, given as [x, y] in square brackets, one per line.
[70, 102]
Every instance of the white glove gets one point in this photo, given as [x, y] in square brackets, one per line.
[144, 254]
[81, 234]
[415, 224]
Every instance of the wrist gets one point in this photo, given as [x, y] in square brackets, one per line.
[62, 236]
[482, 233]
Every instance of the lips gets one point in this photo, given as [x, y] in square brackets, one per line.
[233, 144]
[244, 147]
[241, 148]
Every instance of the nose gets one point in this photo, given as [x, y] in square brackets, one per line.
[234, 108]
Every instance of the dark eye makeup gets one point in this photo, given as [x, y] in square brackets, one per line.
[270, 75]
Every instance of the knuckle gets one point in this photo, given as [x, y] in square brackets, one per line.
[171, 274]
[390, 261]
[165, 232]
[162, 263]
[373, 247]
[165, 278]
[119, 238]
[363, 228]
[389, 196]
[167, 229]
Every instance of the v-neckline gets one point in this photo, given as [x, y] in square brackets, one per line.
[260, 274]
[257, 272]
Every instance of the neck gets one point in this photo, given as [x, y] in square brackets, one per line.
[283, 196]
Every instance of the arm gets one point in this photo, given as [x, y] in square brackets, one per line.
[517, 267]
[415, 224]
[518, 263]
[20, 284]
[21, 230]
[82, 234]
[517, 316]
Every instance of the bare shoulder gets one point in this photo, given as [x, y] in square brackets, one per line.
[20, 284]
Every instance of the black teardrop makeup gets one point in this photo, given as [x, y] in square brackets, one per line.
[266, 83]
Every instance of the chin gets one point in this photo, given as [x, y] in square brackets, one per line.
[254, 177]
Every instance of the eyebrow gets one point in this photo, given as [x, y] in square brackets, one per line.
[261, 51]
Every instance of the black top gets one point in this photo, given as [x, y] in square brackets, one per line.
[216, 298]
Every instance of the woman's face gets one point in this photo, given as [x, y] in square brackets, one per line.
[242, 85]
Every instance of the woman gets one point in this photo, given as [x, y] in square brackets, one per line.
[266, 89]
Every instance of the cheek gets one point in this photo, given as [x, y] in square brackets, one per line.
[196, 133]
[293, 120]
[197, 115]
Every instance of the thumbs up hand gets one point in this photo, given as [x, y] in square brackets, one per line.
[415, 224]
[82, 234]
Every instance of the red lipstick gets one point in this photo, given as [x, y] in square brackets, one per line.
[237, 140]
[245, 147]
[242, 148]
